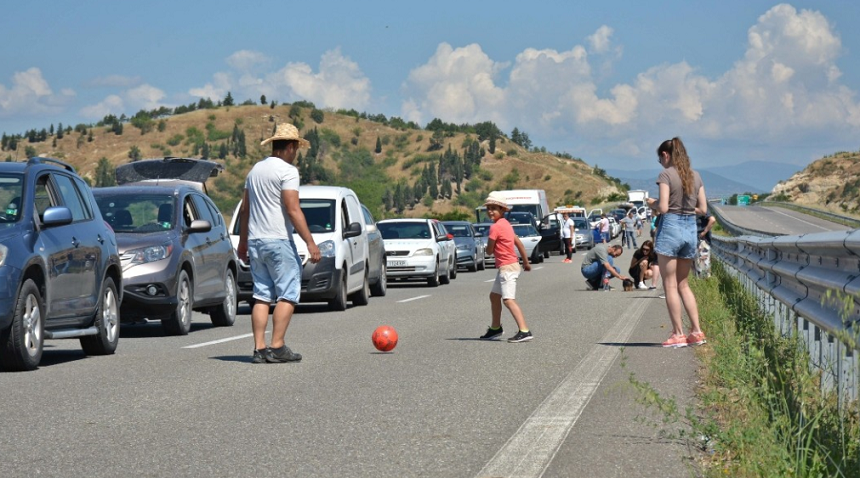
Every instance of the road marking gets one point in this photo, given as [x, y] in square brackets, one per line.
[532, 448]
[219, 341]
[411, 299]
[491, 280]
[801, 220]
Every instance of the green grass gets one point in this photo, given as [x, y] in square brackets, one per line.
[761, 412]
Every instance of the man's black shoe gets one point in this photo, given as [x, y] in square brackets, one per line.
[260, 355]
[282, 354]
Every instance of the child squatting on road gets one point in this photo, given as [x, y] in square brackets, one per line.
[500, 243]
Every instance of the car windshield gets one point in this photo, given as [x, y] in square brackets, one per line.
[459, 230]
[319, 213]
[404, 230]
[525, 230]
[137, 214]
[10, 198]
[580, 224]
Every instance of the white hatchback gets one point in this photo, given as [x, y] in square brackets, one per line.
[418, 249]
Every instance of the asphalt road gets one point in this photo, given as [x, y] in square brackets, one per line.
[776, 220]
[442, 404]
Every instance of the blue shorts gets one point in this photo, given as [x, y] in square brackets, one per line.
[676, 236]
[276, 269]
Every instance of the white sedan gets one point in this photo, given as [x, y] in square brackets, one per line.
[530, 238]
[418, 249]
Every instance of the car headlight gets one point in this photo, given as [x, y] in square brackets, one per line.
[423, 252]
[579, 237]
[3, 252]
[151, 253]
[326, 249]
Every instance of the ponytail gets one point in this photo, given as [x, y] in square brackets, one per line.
[676, 150]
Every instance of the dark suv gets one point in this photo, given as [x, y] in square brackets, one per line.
[175, 248]
[60, 274]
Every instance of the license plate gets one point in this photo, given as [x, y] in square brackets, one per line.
[396, 263]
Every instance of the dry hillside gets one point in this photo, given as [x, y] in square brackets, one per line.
[403, 157]
[832, 182]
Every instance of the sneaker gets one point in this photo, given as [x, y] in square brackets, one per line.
[567, 261]
[697, 338]
[652, 287]
[642, 286]
[492, 334]
[259, 355]
[676, 341]
[521, 337]
[590, 285]
[282, 355]
[661, 296]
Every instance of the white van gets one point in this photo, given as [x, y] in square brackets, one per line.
[521, 200]
[337, 223]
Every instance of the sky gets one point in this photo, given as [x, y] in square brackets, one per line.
[603, 81]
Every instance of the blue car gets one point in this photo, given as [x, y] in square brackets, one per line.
[470, 248]
[60, 273]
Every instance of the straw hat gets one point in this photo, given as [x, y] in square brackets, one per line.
[495, 198]
[287, 132]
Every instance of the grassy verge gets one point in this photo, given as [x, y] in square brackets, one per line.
[761, 408]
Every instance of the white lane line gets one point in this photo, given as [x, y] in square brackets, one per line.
[219, 341]
[411, 299]
[532, 448]
[491, 280]
[799, 219]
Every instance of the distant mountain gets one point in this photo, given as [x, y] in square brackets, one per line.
[763, 175]
[715, 185]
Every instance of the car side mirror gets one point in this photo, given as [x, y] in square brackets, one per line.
[353, 230]
[478, 234]
[200, 225]
[57, 216]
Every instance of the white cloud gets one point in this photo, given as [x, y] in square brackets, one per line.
[600, 41]
[784, 88]
[31, 95]
[113, 104]
[339, 83]
[143, 97]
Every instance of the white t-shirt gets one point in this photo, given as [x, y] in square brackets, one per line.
[565, 228]
[268, 216]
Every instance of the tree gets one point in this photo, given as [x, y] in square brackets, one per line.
[60, 131]
[378, 145]
[317, 115]
[223, 151]
[228, 100]
[204, 151]
[134, 153]
[105, 174]
[262, 99]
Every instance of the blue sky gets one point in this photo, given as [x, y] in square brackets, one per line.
[604, 81]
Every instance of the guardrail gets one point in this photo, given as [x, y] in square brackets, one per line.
[790, 276]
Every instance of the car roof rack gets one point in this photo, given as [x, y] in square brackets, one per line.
[41, 160]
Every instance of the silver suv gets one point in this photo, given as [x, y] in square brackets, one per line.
[173, 241]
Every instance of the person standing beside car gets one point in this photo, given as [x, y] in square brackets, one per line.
[567, 235]
[270, 211]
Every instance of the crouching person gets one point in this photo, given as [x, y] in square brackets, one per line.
[598, 266]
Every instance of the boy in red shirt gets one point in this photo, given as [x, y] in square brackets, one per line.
[500, 243]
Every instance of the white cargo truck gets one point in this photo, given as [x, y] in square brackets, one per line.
[521, 200]
[637, 197]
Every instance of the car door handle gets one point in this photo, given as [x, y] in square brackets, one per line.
[76, 242]
[100, 239]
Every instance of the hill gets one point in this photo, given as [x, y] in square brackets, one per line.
[456, 160]
[832, 182]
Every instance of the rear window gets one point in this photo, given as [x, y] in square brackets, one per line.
[459, 230]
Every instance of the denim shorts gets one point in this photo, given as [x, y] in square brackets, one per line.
[276, 269]
[676, 236]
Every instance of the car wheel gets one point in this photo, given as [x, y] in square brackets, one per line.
[452, 268]
[446, 277]
[536, 257]
[179, 322]
[21, 344]
[362, 297]
[381, 287]
[433, 281]
[474, 265]
[107, 321]
[224, 314]
[482, 263]
[338, 303]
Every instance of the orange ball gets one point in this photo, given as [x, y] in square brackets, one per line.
[384, 338]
